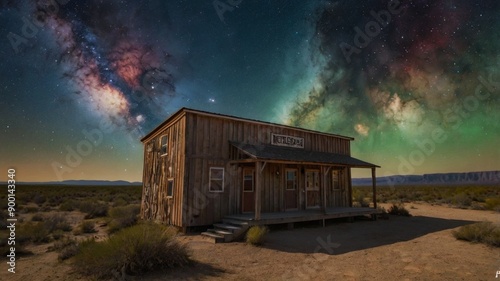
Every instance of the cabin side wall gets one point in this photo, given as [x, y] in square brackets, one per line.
[162, 169]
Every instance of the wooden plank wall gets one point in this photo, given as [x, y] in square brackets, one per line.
[207, 145]
[158, 169]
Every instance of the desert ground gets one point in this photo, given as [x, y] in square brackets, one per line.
[420, 247]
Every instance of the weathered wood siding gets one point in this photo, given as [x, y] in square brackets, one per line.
[207, 145]
[158, 169]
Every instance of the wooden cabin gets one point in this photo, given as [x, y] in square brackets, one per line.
[200, 167]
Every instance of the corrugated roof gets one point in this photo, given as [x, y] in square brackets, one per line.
[271, 152]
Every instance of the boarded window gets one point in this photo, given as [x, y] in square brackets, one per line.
[170, 188]
[216, 183]
[164, 145]
[248, 180]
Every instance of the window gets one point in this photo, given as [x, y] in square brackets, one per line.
[216, 183]
[291, 179]
[248, 180]
[164, 145]
[170, 188]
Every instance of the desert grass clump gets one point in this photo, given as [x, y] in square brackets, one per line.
[122, 217]
[86, 227]
[67, 248]
[35, 232]
[37, 217]
[57, 222]
[399, 210]
[134, 250]
[482, 232]
[93, 209]
[256, 235]
[492, 204]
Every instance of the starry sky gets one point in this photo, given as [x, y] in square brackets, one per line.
[417, 84]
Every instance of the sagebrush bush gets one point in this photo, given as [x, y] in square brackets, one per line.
[87, 227]
[35, 232]
[121, 217]
[138, 249]
[399, 210]
[492, 204]
[256, 235]
[482, 232]
[37, 217]
[68, 205]
[93, 209]
[57, 222]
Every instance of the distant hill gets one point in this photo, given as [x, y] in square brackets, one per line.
[480, 178]
[84, 182]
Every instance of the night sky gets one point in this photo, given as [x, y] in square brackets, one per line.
[417, 84]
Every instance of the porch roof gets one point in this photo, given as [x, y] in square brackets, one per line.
[297, 155]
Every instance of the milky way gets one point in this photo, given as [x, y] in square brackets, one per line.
[424, 61]
[116, 72]
[416, 83]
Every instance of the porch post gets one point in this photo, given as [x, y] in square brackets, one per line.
[258, 204]
[374, 186]
[324, 172]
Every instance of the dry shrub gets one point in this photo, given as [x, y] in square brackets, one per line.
[122, 217]
[256, 234]
[492, 204]
[481, 232]
[93, 209]
[135, 250]
[87, 227]
[399, 210]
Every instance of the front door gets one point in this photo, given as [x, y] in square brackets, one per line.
[291, 189]
[248, 185]
[312, 189]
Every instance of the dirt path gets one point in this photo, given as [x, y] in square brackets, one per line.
[416, 248]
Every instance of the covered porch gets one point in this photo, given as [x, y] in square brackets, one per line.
[303, 215]
[259, 156]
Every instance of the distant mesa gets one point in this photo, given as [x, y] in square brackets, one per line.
[480, 178]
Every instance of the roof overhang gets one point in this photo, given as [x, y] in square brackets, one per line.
[278, 154]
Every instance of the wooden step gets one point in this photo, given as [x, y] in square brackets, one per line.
[235, 222]
[220, 231]
[216, 238]
[228, 227]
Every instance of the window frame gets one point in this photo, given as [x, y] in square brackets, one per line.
[164, 145]
[210, 179]
[295, 180]
[170, 181]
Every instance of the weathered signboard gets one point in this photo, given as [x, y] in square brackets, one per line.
[289, 141]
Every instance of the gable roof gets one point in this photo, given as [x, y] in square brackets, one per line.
[224, 116]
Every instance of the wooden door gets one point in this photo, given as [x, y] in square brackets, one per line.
[248, 185]
[291, 189]
[312, 189]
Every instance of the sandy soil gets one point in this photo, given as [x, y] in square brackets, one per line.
[416, 248]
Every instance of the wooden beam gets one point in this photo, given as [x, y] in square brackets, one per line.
[263, 166]
[374, 186]
[258, 195]
[324, 172]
